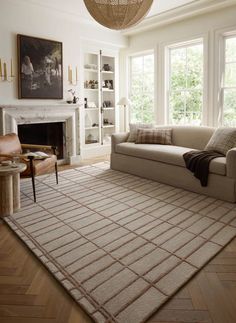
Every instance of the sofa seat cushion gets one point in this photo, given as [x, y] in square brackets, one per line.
[166, 154]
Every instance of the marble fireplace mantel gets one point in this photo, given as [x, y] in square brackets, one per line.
[13, 115]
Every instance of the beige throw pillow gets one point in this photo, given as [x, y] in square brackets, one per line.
[222, 140]
[154, 136]
[134, 130]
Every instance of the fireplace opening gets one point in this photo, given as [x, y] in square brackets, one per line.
[43, 134]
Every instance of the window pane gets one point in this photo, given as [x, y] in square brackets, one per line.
[229, 115]
[178, 68]
[186, 84]
[230, 74]
[186, 107]
[177, 107]
[137, 65]
[195, 66]
[142, 89]
[141, 111]
[230, 49]
[137, 82]
[194, 107]
[149, 64]
[148, 82]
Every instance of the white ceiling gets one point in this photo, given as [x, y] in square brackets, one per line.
[160, 6]
[78, 8]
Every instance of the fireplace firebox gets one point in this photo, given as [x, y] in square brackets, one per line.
[43, 134]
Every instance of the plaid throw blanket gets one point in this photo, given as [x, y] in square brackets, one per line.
[198, 163]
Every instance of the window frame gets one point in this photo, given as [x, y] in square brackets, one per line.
[141, 54]
[221, 40]
[203, 39]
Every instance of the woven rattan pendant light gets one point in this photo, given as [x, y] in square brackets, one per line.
[118, 14]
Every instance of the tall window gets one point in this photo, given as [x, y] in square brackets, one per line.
[142, 88]
[229, 82]
[185, 95]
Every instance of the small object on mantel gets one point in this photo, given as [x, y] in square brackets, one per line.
[75, 99]
[70, 96]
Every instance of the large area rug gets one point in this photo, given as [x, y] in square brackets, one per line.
[121, 245]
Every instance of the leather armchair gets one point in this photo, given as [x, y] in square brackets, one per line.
[11, 147]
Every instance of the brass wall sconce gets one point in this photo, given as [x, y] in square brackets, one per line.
[70, 76]
[4, 77]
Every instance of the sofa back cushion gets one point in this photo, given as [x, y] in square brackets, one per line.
[195, 137]
[134, 130]
[154, 136]
[222, 140]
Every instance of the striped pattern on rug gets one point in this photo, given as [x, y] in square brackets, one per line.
[121, 245]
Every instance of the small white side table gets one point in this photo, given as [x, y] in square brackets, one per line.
[10, 188]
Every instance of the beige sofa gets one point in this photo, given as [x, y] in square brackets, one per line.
[165, 163]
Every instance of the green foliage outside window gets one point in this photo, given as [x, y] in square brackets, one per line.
[142, 89]
[229, 106]
[185, 97]
[186, 85]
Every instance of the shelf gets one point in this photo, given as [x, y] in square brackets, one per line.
[87, 89]
[92, 143]
[90, 128]
[107, 72]
[90, 70]
[91, 109]
[109, 126]
[107, 90]
[110, 108]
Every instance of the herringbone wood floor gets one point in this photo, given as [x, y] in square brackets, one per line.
[30, 294]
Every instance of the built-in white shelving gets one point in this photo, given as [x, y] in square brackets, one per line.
[99, 117]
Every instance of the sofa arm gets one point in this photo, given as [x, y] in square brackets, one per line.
[118, 138]
[231, 163]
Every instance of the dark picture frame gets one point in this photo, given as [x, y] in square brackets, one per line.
[108, 84]
[40, 68]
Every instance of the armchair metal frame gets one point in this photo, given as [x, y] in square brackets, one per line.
[32, 159]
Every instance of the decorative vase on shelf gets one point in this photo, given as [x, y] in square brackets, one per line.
[106, 67]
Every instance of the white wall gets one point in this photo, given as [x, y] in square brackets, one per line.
[206, 26]
[29, 18]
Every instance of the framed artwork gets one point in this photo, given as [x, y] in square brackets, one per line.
[40, 68]
[108, 84]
